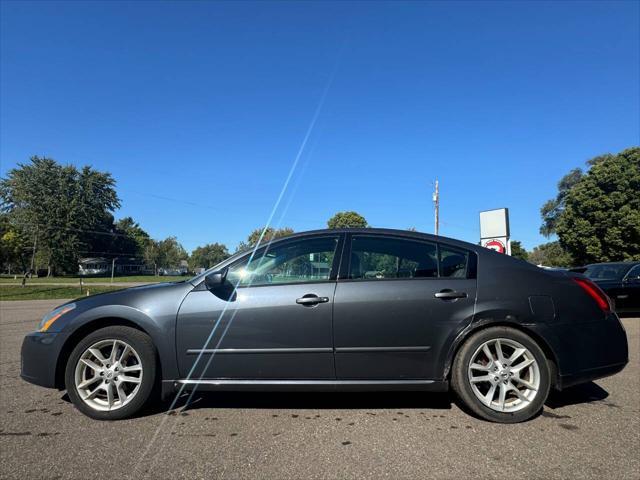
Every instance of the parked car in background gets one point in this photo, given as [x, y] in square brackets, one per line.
[173, 271]
[345, 309]
[619, 280]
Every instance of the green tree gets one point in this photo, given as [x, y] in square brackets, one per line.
[347, 219]
[129, 237]
[151, 255]
[58, 206]
[14, 248]
[208, 255]
[518, 251]
[552, 209]
[171, 252]
[167, 253]
[597, 218]
[550, 255]
[269, 234]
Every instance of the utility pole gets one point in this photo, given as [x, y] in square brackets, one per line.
[436, 204]
[113, 267]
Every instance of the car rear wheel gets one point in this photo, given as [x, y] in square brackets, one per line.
[111, 372]
[501, 375]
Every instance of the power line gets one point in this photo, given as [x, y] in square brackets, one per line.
[70, 229]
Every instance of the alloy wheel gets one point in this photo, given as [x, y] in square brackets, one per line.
[108, 375]
[504, 375]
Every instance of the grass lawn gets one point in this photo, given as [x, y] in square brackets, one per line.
[76, 280]
[43, 292]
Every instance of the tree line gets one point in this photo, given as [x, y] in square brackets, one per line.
[595, 216]
[51, 215]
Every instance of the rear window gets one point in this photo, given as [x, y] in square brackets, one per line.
[453, 263]
[382, 257]
[607, 271]
[378, 258]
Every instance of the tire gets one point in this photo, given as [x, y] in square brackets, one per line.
[532, 381]
[130, 373]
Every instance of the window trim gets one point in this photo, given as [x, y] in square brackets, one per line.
[335, 265]
[345, 265]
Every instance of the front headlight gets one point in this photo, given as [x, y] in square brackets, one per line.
[54, 315]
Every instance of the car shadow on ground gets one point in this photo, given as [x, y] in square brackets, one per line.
[585, 393]
[304, 401]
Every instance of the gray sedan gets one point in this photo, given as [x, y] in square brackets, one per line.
[351, 309]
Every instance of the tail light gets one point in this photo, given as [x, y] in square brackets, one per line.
[595, 292]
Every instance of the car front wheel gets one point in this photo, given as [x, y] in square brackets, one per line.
[501, 375]
[111, 372]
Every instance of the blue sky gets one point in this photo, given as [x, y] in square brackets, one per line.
[199, 109]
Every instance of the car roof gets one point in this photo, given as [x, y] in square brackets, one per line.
[387, 231]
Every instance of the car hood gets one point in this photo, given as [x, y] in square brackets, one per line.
[132, 295]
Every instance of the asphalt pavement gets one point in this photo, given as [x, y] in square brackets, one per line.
[591, 431]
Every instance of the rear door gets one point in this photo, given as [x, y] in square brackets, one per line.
[398, 303]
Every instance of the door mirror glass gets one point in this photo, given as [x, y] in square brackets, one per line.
[216, 279]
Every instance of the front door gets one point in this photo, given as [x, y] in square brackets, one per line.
[400, 305]
[277, 324]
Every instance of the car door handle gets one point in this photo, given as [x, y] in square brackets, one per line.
[450, 294]
[311, 300]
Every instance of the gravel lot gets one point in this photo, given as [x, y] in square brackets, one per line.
[592, 431]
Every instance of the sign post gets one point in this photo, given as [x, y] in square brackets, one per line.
[494, 230]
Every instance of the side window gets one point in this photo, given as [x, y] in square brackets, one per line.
[634, 273]
[306, 260]
[383, 257]
[453, 263]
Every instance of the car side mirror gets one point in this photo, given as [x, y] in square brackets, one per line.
[216, 279]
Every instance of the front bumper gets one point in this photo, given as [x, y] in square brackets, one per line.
[39, 358]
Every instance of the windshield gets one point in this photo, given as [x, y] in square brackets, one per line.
[607, 271]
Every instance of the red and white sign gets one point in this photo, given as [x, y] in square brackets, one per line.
[494, 230]
[495, 244]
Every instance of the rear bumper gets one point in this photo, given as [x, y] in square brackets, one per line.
[588, 351]
[565, 381]
[39, 358]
